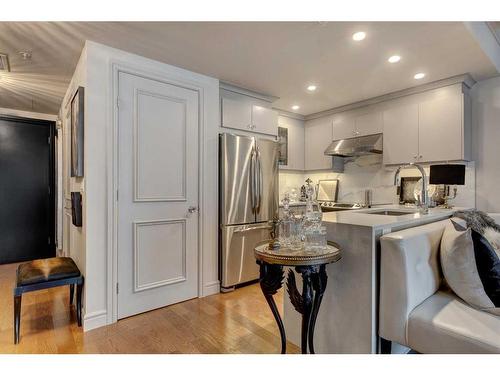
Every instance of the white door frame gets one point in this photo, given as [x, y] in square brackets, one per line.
[112, 178]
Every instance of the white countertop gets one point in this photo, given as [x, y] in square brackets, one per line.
[362, 218]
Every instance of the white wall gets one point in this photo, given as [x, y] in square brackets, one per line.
[98, 194]
[486, 143]
[76, 236]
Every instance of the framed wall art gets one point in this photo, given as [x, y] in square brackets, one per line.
[77, 122]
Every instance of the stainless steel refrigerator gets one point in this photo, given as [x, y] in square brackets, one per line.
[248, 185]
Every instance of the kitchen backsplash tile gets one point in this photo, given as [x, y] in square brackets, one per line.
[368, 172]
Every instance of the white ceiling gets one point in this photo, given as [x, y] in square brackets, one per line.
[278, 59]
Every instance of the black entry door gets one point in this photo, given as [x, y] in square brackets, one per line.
[27, 205]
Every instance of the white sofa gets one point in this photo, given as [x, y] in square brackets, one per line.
[416, 311]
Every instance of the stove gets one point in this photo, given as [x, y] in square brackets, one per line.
[326, 196]
[329, 206]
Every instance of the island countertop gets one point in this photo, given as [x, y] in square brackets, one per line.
[348, 321]
[363, 218]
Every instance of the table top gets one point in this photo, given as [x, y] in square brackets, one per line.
[286, 256]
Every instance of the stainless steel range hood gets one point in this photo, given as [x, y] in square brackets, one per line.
[357, 146]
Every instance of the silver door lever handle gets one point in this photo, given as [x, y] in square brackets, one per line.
[192, 209]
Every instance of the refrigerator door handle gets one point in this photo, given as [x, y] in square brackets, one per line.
[253, 187]
[260, 179]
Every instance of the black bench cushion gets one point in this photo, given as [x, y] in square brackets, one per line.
[42, 270]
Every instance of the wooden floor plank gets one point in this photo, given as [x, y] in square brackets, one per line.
[236, 322]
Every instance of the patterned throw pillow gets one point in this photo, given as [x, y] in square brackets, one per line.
[471, 266]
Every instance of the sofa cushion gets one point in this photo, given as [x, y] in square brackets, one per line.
[459, 263]
[443, 323]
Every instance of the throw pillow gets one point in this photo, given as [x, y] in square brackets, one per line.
[465, 266]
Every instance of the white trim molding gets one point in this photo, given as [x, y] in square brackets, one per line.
[211, 288]
[95, 320]
[465, 79]
[254, 94]
[27, 114]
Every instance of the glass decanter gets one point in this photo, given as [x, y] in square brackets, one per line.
[314, 232]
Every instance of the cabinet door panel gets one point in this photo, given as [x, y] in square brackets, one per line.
[236, 114]
[400, 134]
[318, 135]
[369, 123]
[343, 127]
[440, 129]
[264, 120]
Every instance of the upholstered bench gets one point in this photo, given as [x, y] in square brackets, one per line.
[43, 274]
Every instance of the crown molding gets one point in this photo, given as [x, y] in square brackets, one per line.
[284, 113]
[240, 90]
[465, 79]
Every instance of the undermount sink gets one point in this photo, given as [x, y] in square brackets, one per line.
[392, 212]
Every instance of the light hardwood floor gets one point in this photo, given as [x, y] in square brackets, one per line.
[237, 322]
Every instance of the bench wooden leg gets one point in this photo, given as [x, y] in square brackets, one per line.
[17, 318]
[71, 293]
[79, 288]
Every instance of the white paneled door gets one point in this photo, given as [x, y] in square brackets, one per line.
[157, 194]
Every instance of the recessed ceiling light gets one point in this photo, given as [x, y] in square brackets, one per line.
[394, 59]
[295, 107]
[419, 75]
[360, 35]
[311, 88]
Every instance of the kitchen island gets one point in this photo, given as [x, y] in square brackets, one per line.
[348, 320]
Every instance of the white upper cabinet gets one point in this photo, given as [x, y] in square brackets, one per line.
[369, 123]
[264, 120]
[295, 143]
[243, 112]
[433, 126]
[318, 136]
[356, 123]
[400, 134]
[343, 126]
[441, 129]
[236, 114]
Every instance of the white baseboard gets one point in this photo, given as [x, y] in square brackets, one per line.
[211, 288]
[95, 320]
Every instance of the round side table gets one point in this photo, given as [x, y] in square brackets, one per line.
[312, 266]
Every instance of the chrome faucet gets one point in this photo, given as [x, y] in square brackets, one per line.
[423, 202]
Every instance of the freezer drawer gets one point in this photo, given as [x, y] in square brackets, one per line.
[237, 259]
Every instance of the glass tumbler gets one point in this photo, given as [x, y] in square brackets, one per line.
[315, 238]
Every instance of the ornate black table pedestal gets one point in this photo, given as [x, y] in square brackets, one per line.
[311, 265]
